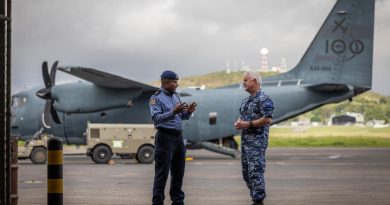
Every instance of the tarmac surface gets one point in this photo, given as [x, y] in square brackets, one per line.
[304, 176]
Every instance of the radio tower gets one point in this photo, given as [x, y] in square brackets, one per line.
[283, 65]
[264, 59]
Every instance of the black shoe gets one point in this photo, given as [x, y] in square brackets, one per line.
[258, 202]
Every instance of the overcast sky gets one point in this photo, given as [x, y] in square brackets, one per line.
[139, 39]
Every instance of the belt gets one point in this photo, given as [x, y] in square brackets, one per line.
[250, 131]
[170, 131]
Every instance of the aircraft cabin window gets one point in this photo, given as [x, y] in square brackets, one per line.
[213, 118]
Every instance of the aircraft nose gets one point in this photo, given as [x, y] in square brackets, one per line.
[15, 119]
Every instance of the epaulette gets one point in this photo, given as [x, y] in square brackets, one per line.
[152, 100]
[158, 91]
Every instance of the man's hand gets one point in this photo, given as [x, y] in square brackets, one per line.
[180, 107]
[240, 124]
[237, 123]
[192, 107]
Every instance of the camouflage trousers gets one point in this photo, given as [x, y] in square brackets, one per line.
[253, 149]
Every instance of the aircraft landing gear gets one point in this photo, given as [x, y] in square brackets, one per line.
[229, 142]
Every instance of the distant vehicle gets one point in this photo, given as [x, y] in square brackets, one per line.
[35, 149]
[337, 66]
[124, 140]
[103, 141]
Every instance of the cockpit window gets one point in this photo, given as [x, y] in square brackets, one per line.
[15, 102]
[18, 101]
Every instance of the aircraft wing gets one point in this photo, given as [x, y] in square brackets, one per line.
[105, 80]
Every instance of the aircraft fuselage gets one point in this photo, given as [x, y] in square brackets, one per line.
[289, 101]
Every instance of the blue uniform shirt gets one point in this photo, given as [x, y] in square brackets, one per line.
[161, 106]
[255, 107]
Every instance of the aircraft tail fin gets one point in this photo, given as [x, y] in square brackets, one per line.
[342, 50]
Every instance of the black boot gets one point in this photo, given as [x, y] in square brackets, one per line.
[258, 202]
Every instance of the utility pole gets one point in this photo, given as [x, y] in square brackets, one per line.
[5, 98]
[8, 103]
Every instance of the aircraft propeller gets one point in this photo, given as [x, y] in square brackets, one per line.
[50, 114]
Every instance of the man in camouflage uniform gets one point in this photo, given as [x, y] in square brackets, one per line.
[255, 117]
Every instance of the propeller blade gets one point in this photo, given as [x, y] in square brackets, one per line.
[46, 113]
[50, 114]
[53, 73]
[45, 74]
[44, 93]
[54, 115]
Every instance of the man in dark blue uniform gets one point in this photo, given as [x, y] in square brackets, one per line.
[255, 117]
[167, 112]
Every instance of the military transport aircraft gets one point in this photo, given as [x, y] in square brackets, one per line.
[337, 66]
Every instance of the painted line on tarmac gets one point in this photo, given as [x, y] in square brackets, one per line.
[334, 156]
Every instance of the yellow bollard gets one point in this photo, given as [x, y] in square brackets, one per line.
[54, 172]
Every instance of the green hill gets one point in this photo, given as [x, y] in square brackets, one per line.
[214, 79]
[371, 104]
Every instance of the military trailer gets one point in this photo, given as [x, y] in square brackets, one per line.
[35, 149]
[124, 140]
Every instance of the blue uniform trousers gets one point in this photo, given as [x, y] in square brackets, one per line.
[170, 156]
[253, 149]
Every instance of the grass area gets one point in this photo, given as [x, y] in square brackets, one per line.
[21, 143]
[329, 142]
[331, 131]
[334, 136]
